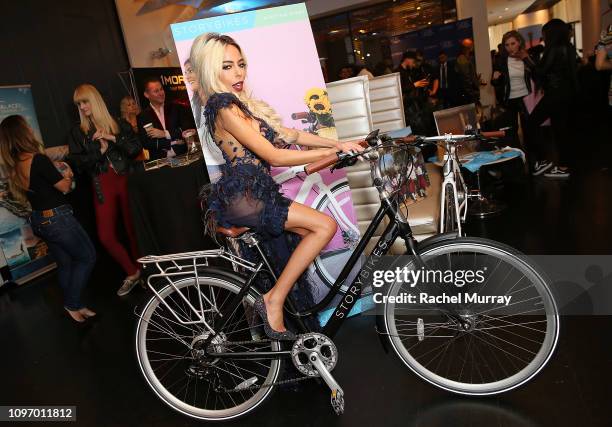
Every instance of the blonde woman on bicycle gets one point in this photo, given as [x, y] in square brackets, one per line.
[251, 138]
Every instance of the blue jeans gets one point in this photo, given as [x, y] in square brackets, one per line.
[71, 248]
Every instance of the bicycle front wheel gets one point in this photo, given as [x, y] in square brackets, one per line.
[168, 336]
[466, 337]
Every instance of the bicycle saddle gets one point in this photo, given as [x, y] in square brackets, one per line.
[232, 231]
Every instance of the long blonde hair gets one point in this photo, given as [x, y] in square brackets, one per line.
[17, 138]
[100, 118]
[206, 56]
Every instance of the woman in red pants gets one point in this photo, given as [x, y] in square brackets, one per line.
[104, 149]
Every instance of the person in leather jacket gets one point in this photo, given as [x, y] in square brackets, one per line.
[512, 78]
[105, 149]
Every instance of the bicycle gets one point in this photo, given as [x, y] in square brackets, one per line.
[201, 352]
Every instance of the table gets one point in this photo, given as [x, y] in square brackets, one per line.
[166, 210]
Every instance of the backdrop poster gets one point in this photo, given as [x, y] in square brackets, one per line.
[23, 253]
[284, 71]
[432, 40]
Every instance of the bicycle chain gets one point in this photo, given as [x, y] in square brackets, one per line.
[265, 385]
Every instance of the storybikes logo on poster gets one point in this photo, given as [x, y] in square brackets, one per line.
[423, 286]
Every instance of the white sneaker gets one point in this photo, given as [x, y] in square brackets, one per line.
[127, 286]
[557, 173]
[541, 167]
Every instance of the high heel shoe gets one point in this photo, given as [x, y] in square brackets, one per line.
[260, 309]
[76, 316]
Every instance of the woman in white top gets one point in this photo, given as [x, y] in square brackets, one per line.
[513, 76]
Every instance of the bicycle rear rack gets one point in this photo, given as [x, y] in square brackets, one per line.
[172, 268]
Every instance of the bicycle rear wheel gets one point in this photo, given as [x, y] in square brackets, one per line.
[494, 347]
[171, 361]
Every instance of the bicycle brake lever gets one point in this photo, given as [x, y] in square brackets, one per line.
[345, 161]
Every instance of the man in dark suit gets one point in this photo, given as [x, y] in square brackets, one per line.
[160, 124]
[447, 82]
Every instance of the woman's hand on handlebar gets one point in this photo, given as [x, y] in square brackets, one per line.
[350, 147]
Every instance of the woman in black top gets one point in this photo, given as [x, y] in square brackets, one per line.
[105, 150]
[32, 175]
[556, 73]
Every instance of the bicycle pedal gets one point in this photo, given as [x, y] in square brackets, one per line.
[337, 401]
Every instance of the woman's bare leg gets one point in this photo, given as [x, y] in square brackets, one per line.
[316, 229]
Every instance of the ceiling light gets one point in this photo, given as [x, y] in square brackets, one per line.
[367, 54]
[429, 23]
[418, 7]
[374, 34]
[506, 8]
[499, 17]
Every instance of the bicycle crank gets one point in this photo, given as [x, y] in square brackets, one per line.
[315, 355]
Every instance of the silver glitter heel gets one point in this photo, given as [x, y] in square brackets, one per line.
[260, 309]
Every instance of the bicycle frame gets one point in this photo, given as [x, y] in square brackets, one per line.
[450, 169]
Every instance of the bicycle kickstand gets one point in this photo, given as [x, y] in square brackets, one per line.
[337, 395]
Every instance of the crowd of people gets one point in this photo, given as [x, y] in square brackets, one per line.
[106, 150]
[547, 84]
[550, 85]
[426, 86]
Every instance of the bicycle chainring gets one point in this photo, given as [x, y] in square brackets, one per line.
[313, 342]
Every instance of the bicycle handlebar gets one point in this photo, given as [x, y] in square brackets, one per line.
[330, 160]
[457, 138]
[323, 163]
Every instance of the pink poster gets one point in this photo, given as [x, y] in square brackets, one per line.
[284, 71]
